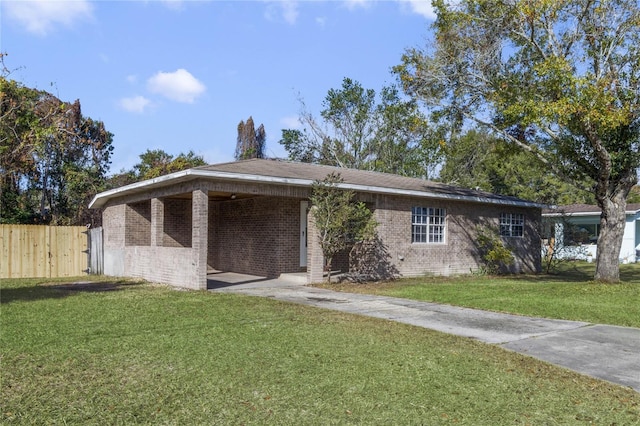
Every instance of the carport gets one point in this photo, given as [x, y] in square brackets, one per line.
[179, 228]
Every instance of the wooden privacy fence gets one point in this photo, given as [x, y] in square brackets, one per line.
[38, 251]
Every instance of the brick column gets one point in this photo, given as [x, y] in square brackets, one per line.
[315, 259]
[199, 238]
[157, 222]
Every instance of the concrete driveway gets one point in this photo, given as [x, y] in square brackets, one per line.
[606, 352]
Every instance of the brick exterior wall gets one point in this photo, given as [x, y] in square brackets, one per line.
[168, 265]
[138, 224]
[157, 222]
[113, 234]
[315, 261]
[113, 221]
[158, 240]
[459, 252]
[258, 236]
[178, 216]
[212, 238]
[199, 234]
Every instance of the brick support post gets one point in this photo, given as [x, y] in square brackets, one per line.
[315, 259]
[157, 222]
[199, 238]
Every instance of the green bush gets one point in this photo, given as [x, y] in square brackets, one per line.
[496, 256]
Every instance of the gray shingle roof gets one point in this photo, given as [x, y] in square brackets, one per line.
[304, 174]
[360, 178]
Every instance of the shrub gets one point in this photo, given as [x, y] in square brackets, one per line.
[495, 255]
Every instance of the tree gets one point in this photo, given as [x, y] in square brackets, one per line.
[357, 132]
[339, 220]
[251, 142]
[558, 79]
[478, 159]
[53, 159]
[154, 163]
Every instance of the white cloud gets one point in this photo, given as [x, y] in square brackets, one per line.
[291, 122]
[283, 9]
[353, 4]
[421, 7]
[173, 4]
[178, 86]
[290, 11]
[132, 78]
[135, 104]
[42, 16]
[169, 4]
[321, 21]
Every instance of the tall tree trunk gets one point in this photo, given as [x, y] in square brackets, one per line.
[612, 223]
[612, 199]
[327, 267]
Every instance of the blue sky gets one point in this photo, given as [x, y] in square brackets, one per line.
[180, 75]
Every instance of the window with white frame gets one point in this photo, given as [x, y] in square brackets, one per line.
[427, 225]
[511, 224]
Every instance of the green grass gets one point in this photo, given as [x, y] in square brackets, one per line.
[567, 295]
[134, 353]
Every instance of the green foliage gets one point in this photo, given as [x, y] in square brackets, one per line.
[559, 80]
[477, 159]
[154, 163]
[389, 135]
[251, 142]
[496, 256]
[339, 220]
[52, 158]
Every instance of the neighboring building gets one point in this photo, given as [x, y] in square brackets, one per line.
[577, 226]
[253, 217]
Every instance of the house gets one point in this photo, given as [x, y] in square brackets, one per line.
[577, 227]
[253, 217]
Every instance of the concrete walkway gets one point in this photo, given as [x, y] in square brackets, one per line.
[606, 352]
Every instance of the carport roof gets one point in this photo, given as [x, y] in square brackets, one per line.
[280, 172]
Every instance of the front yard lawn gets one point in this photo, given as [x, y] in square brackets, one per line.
[567, 295]
[120, 352]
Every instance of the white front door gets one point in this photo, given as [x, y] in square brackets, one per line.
[304, 206]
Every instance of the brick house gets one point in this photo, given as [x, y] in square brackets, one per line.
[253, 217]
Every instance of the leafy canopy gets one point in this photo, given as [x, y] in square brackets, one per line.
[478, 159]
[359, 130]
[52, 158]
[559, 79]
[154, 163]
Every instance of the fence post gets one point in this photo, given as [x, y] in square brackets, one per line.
[47, 248]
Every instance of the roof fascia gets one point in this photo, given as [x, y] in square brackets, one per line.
[571, 214]
[579, 214]
[100, 199]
